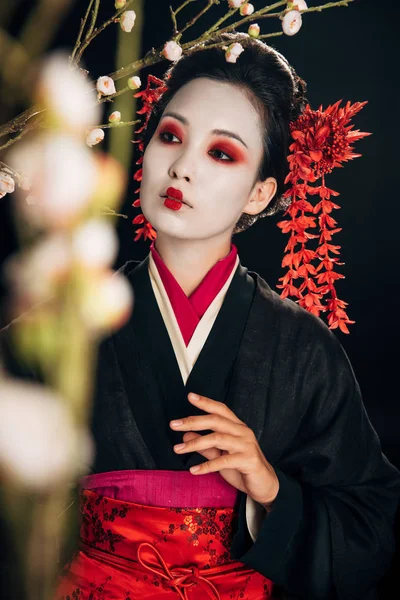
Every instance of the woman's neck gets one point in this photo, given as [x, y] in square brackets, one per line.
[190, 260]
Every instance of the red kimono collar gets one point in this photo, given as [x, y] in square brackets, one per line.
[189, 310]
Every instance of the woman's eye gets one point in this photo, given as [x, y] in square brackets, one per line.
[220, 155]
[166, 136]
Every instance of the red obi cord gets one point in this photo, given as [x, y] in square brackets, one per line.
[132, 551]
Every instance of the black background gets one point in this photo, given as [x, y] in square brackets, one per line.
[342, 53]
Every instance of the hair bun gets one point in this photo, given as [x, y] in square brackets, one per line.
[299, 95]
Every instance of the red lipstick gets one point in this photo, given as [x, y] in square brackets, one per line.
[174, 199]
[173, 193]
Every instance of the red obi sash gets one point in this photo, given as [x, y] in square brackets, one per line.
[131, 551]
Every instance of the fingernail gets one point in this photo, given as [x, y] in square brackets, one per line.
[194, 396]
[194, 469]
[176, 423]
[179, 446]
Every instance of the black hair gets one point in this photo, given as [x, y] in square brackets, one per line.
[271, 84]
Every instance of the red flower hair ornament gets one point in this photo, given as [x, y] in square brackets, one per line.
[322, 140]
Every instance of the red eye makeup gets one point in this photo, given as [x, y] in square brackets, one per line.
[172, 128]
[235, 154]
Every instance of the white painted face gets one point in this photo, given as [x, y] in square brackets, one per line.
[208, 145]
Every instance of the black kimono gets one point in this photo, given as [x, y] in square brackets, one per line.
[284, 373]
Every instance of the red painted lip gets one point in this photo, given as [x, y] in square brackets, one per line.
[172, 192]
[175, 194]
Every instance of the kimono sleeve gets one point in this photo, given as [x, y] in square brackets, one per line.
[330, 533]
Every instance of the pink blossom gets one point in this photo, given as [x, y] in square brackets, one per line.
[254, 30]
[233, 51]
[127, 20]
[172, 51]
[291, 22]
[105, 85]
[94, 136]
[246, 9]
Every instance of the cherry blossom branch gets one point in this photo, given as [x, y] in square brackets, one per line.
[155, 56]
[94, 32]
[116, 125]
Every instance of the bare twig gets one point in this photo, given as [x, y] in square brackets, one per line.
[82, 27]
[95, 32]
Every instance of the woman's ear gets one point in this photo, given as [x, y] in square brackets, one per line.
[261, 195]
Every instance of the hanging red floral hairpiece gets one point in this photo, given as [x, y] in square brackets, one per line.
[154, 90]
[322, 140]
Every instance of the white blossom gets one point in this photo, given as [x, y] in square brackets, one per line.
[246, 9]
[119, 4]
[172, 51]
[233, 51]
[40, 447]
[134, 82]
[291, 22]
[115, 117]
[95, 244]
[94, 136]
[63, 172]
[107, 301]
[67, 94]
[235, 3]
[105, 85]
[7, 183]
[127, 20]
[254, 30]
[299, 5]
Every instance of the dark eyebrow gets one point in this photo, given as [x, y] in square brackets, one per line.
[225, 132]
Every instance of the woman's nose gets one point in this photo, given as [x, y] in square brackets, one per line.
[183, 168]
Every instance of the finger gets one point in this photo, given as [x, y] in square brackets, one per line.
[225, 461]
[209, 454]
[221, 441]
[213, 422]
[213, 406]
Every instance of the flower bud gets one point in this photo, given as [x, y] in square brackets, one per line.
[235, 3]
[254, 30]
[94, 136]
[119, 4]
[105, 85]
[127, 20]
[7, 183]
[115, 117]
[291, 22]
[246, 9]
[233, 51]
[134, 83]
[172, 51]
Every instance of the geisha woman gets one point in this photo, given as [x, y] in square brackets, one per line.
[235, 458]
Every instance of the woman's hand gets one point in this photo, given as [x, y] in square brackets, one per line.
[232, 449]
